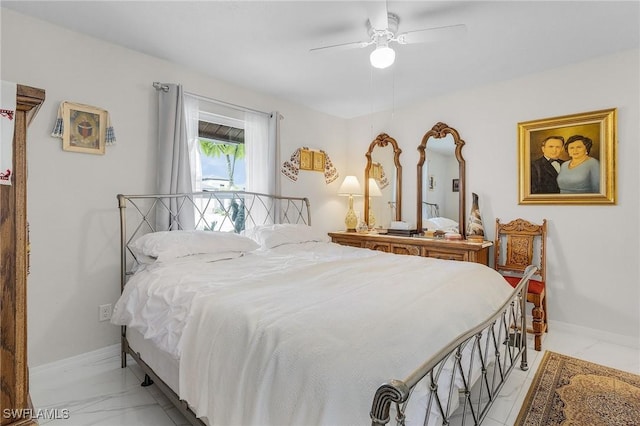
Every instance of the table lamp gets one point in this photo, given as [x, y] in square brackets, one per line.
[374, 191]
[350, 187]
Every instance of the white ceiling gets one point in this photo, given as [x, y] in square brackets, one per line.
[264, 45]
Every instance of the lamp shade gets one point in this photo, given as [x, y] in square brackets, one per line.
[382, 57]
[350, 186]
[374, 189]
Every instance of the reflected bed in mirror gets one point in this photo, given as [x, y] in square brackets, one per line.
[441, 181]
[383, 204]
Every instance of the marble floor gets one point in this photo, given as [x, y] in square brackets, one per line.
[94, 390]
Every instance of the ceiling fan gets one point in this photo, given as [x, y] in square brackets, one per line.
[384, 31]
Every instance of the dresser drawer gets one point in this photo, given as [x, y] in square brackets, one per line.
[408, 249]
[446, 254]
[463, 251]
[347, 242]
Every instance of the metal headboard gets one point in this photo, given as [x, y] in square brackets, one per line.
[432, 210]
[231, 211]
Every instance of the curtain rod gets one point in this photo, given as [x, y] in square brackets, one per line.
[165, 88]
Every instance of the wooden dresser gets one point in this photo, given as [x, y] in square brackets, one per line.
[14, 264]
[417, 246]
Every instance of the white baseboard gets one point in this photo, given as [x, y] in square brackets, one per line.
[618, 339]
[87, 357]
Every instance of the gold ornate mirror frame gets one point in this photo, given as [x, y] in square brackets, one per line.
[439, 131]
[382, 141]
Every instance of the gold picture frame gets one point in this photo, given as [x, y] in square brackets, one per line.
[318, 161]
[84, 128]
[578, 179]
[306, 159]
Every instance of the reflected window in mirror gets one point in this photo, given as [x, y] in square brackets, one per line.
[441, 181]
[384, 168]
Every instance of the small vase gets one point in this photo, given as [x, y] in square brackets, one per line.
[475, 229]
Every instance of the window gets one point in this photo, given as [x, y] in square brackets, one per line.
[222, 152]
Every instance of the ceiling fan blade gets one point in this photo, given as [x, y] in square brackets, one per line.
[451, 32]
[343, 46]
[378, 14]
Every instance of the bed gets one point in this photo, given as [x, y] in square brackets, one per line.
[434, 222]
[255, 318]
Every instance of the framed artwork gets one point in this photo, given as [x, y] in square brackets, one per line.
[432, 183]
[318, 161]
[455, 185]
[568, 159]
[84, 128]
[306, 159]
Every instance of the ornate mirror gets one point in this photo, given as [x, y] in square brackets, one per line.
[441, 180]
[383, 193]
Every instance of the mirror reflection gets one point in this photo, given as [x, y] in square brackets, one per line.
[441, 181]
[439, 201]
[383, 182]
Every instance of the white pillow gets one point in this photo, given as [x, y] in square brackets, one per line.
[441, 223]
[171, 244]
[269, 236]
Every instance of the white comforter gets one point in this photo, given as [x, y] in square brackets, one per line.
[303, 334]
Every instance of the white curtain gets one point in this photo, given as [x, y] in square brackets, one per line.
[261, 134]
[192, 115]
[178, 162]
[274, 140]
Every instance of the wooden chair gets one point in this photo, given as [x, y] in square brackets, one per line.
[518, 244]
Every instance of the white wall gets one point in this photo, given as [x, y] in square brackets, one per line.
[73, 213]
[593, 251]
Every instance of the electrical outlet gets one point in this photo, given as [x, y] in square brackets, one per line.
[104, 312]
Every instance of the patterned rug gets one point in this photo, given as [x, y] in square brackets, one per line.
[568, 391]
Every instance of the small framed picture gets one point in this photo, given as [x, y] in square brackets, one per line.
[568, 159]
[306, 159]
[318, 161]
[455, 185]
[84, 128]
[432, 183]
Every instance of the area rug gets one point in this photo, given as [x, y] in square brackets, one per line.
[571, 392]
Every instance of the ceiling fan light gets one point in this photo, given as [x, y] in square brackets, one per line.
[382, 57]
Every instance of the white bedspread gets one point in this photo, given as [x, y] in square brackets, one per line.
[303, 334]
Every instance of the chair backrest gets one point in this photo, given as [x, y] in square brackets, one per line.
[519, 244]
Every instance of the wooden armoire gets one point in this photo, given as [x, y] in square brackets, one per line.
[14, 268]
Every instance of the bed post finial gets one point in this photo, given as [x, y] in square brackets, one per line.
[395, 391]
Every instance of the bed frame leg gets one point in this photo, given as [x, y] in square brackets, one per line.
[524, 366]
[147, 381]
[123, 347]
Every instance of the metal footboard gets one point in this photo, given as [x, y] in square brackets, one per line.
[480, 359]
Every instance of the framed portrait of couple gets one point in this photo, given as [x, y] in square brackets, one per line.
[568, 159]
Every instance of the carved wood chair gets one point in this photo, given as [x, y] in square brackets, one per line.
[518, 244]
